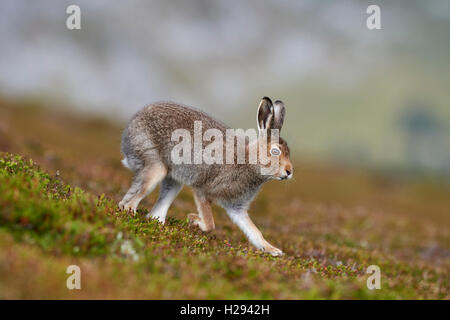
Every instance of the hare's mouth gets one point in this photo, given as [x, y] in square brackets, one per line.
[285, 177]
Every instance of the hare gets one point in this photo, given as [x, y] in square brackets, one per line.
[147, 144]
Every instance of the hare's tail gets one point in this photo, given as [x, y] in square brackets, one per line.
[126, 164]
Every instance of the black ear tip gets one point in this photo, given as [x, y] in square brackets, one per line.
[267, 99]
[279, 102]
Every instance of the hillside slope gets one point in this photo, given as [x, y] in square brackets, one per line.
[331, 222]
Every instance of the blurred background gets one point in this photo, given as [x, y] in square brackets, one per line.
[359, 97]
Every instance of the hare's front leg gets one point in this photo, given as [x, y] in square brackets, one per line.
[243, 221]
[204, 219]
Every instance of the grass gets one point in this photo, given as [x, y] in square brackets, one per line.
[331, 222]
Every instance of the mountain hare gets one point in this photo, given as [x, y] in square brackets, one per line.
[147, 144]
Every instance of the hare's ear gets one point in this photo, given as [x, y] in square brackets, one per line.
[278, 115]
[265, 114]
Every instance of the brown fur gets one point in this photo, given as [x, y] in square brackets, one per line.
[147, 146]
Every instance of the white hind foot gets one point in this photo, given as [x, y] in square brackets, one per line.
[143, 183]
[130, 207]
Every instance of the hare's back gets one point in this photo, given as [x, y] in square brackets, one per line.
[153, 126]
[161, 119]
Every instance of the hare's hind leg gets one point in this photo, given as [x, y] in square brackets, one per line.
[204, 219]
[144, 181]
[168, 192]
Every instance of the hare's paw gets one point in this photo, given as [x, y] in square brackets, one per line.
[127, 207]
[155, 217]
[195, 220]
[273, 250]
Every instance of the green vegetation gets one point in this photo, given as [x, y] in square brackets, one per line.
[331, 222]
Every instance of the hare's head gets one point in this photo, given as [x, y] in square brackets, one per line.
[270, 117]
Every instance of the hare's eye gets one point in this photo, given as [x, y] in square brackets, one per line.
[275, 151]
